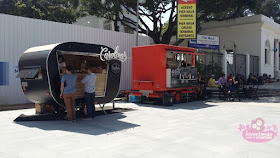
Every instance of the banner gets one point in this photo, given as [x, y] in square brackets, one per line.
[186, 19]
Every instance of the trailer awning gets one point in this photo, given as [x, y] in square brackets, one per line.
[28, 72]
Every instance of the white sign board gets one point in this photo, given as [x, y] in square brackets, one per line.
[205, 42]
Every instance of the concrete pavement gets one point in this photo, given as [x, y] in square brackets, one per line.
[193, 129]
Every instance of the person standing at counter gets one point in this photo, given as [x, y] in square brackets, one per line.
[67, 91]
[61, 65]
[89, 81]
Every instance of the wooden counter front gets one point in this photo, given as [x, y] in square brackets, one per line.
[100, 85]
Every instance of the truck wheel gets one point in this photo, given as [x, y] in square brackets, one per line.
[167, 100]
[177, 98]
[143, 99]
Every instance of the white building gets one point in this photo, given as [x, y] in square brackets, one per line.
[255, 35]
[17, 34]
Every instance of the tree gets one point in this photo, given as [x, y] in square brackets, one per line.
[66, 11]
[153, 10]
[109, 9]
[269, 8]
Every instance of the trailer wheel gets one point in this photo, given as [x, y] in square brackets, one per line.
[177, 97]
[167, 100]
[59, 110]
[143, 99]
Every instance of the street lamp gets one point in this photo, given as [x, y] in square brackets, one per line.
[137, 14]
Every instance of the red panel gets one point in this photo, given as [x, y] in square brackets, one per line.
[186, 1]
[136, 94]
[149, 66]
[154, 95]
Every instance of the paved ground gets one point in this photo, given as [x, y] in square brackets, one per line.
[194, 129]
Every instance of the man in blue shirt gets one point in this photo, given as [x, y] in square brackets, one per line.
[89, 81]
[67, 91]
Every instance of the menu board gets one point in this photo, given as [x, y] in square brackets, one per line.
[183, 77]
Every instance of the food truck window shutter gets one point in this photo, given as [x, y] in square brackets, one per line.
[29, 73]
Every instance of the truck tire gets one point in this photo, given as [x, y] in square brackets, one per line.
[167, 100]
[143, 99]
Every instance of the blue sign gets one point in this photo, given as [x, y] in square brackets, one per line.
[204, 46]
[205, 42]
[4, 73]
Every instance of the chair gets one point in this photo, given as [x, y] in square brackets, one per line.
[244, 91]
[223, 91]
[255, 93]
[206, 93]
[232, 93]
[252, 92]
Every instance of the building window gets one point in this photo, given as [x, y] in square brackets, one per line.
[267, 53]
[4, 73]
[107, 25]
[128, 30]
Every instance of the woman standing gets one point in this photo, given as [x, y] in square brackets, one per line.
[67, 91]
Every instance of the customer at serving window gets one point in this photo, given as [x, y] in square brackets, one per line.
[67, 92]
[89, 81]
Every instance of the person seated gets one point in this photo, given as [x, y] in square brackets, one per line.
[260, 80]
[251, 79]
[222, 81]
[235, 86]
[264, 77]
[229, 77]
[255, 80]
[199, 92]
[183, 64]
[222, 85]
[271, 80]
[199, 80]
[242, 80]
[212, 82]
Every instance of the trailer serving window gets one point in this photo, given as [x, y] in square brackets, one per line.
[82, 60]
[30, 73]
[177, 59]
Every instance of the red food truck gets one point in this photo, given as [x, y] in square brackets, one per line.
[163, 73]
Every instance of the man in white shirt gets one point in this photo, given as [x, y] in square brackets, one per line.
[89, 81]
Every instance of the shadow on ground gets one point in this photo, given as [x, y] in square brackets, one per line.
[102, 124]
[194, 105]
[260, 100]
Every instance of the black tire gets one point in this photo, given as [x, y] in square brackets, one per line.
[60, 110]
[143, 99]
[167, 99]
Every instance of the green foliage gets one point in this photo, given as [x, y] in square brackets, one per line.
[164, 28]
[65, 11]
[224, 9]
[207, 70]
[153, 10]
[270, 8]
